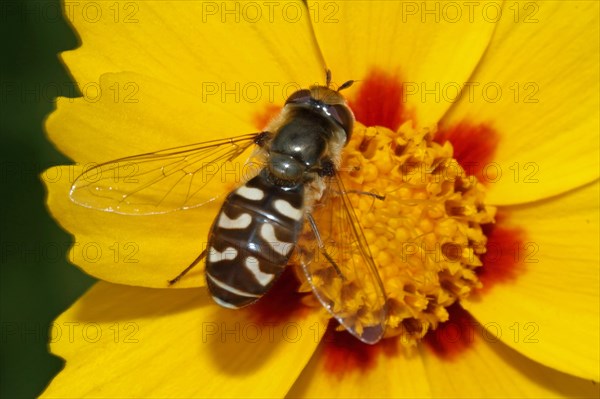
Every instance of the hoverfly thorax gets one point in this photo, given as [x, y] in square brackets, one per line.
[317, 124]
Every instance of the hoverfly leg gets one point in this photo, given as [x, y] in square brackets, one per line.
[369, 193]
[327, 168]
[187, 269]
[322, 248]
[335, 266]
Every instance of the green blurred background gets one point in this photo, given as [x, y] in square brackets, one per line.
[37, 282]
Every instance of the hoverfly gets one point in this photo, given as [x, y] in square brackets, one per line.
[296, 199]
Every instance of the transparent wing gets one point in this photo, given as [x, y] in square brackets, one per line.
[168, 180]
[339, 267]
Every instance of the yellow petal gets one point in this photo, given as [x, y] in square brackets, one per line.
[537, 88]
[484, 367]
[551, 311]
[136, 250]
[123, 341]
[343, 367]
[423, 45]
[130, 113]
[461, 360]
[191, 44]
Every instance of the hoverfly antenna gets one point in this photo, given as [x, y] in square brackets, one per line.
[328, 77]
[346, 85]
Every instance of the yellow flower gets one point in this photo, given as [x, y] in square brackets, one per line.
[510, 90]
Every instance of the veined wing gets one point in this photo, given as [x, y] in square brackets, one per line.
[337, 261]
[168, 180]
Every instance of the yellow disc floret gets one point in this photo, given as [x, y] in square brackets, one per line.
[425, 234]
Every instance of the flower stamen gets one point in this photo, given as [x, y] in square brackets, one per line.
[425, 236]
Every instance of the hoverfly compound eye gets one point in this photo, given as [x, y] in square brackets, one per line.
[344, 117]
[300, 96]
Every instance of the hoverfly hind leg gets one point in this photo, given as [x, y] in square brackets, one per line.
[187, 269]
[332, 262]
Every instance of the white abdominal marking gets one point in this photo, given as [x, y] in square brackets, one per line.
[267, 232]
[224, 304]
[262, 277]
[226, 287]
[286, 209]
[230, 253]
[241, 222]
[253, 194]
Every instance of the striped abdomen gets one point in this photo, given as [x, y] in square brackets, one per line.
[252, 240]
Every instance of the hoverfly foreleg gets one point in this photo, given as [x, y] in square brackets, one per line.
[369, 193]
[187, 269]
[326, 169]
[313, 226]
